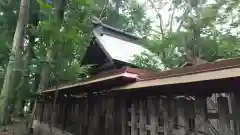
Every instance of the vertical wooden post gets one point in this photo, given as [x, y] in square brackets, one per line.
[49, 118]
[41, 112]
[142, 117]
[160, 114]
[85, 111]
[37, 112]
[224, 120]
[117, 110]
[133, 118]
[124, 121]
[235, 104]
[65, 115]
[91, 119]
[182, 118]
[153, 118]
[88, 112]
[168, 105]
[44, 112]
[110, 117]
[95, 117]
[80, 116]
[201, 118]
[54, 110]
[102, 120]
[97, 114]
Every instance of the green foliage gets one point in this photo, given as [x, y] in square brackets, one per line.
[209, 31]
[128, 16]
[146, 60]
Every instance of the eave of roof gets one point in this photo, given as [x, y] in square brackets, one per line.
[210, 71]
[144, 78]
[127, 73]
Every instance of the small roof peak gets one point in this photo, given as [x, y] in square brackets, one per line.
[98, 22]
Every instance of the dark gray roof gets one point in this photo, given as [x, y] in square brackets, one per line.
[119, 45]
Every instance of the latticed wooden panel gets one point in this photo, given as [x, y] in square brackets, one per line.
[142, 116]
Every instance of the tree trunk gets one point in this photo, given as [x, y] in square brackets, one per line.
[15, 63]
[20, 107]
[29, 53]
[59, 8]
[34, 89]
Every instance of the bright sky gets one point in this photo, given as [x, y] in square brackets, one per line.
[166, 14]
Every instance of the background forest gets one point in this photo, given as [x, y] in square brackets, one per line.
[42, 42]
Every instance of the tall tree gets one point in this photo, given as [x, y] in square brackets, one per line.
[52, 54]
[24, 88]
[14, 67]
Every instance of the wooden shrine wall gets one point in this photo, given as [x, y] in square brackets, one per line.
[141, 116]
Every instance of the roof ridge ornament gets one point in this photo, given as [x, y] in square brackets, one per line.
[96, 20]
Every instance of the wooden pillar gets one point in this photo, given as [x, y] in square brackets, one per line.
[49, 118]
[54, 110]
[224, 120]
[88, 112]
[201, 119]
[44, 112]
[95, 118]
[37, 114]
[90, 119]
[153, 117]
[124, 120]
[168, 105]
[117, 110]
[80, 116]
[84, 118]
[182, 117]
[65, 115]
[235, 103]
[133, 118]
[142, 117]
[110, 117]
[56, 117]
[102, 121]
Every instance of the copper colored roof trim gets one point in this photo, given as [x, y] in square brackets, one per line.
[207, 67]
